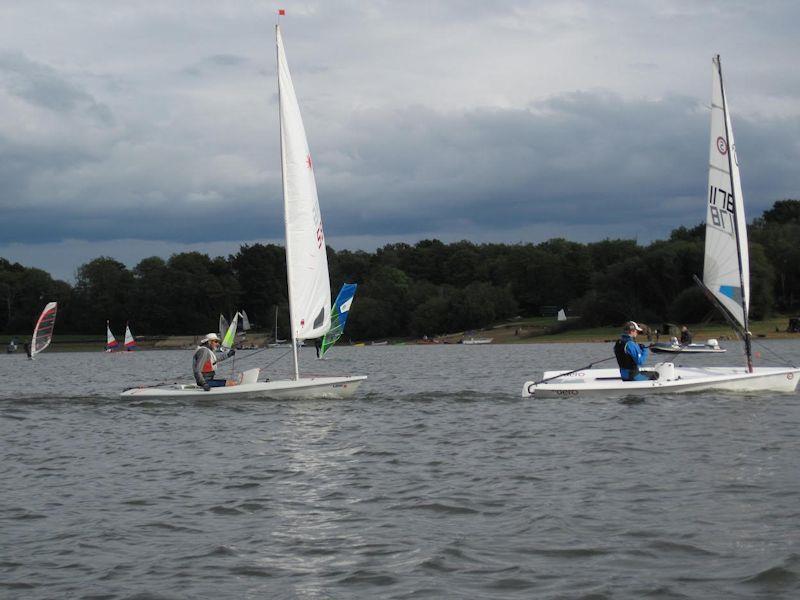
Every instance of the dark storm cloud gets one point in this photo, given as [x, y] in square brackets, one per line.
[574, 159]
[584, 158]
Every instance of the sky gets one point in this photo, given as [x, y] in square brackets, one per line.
[133, 129]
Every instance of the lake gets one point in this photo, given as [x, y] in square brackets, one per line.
[437, 480]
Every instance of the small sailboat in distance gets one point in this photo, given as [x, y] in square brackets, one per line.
[111, 341]
[726, 280]
[223, 326]
[130, 341]
[229, 339]
[43, 331]
[306, 268]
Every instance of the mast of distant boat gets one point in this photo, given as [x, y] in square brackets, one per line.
[745, 308]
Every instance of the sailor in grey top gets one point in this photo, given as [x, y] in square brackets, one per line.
[204, 362]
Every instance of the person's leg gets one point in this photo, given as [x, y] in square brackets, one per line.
[217, 382]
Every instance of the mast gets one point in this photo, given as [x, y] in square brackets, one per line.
[745, 308]
[285, 216]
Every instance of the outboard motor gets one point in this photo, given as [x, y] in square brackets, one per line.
[665, 370]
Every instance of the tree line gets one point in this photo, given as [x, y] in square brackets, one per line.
[412, 290]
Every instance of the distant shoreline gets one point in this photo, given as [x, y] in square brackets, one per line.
[523, 332]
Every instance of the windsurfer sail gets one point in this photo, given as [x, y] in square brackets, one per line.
[339, 313]
[43, 332]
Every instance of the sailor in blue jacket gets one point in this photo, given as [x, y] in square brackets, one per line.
[630, 354]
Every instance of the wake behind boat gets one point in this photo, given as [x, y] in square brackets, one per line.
[726, 281]
[306, 269]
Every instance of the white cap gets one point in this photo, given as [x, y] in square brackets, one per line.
[209, 337]
[631, 325]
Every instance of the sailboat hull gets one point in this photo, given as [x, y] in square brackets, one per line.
[687, 349]
[606, 383]
[305, 388]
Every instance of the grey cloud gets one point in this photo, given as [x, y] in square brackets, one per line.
[216, 62]
[575, 160]
[43, 86]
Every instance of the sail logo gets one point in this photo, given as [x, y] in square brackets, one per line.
[722, 145]
[320, 236]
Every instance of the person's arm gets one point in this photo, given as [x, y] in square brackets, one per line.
[221, 356]
[638, 352]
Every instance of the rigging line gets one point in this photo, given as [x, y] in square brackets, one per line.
[275, 360]
[782, 359]
[589, 366]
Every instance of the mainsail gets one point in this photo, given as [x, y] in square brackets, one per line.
[726, 271]
[43, 332]
[339, 313]
[111, 341]
[306, 256]
[130, 342]
[245, 321]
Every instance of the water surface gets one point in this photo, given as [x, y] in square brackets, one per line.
[436, 481]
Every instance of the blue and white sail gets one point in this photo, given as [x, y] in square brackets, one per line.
[339, 313]
[726, 270]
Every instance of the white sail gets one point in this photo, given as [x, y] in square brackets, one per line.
[43, 332]
[726, 271]
[306, 258]
[111, 341]
[223, 326]
[130, 341]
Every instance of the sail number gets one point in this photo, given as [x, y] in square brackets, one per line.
[721, 208]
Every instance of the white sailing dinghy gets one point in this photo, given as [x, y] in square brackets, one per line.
[111, 341]
[306, 267]
[710, 347]
[130, 341]
[43, 331]
[726, 279]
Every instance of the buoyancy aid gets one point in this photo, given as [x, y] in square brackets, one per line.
[627, 365]
[205, 364]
